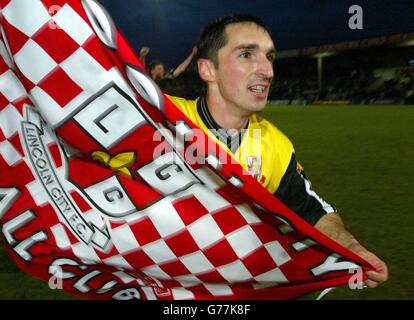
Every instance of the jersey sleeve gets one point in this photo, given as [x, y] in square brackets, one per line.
[296, 192]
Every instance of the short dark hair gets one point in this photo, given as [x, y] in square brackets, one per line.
[155, 63]
[213, 37]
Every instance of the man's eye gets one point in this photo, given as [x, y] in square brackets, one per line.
[246, 54]
[271, 57]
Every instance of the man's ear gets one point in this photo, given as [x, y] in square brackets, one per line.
[206, 70]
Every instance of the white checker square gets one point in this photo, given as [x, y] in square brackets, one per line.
[197, 262]
[188, 280]
[272, 276]
[244, 241]
[34, 62]
[182, 294]
[149, 293]
[10, 86]
[123, 239]
[156, 272]
[73, 24]
[235, 181]
[80, 66]
[9, 153]
[248, 213]
[210, 178]
[165, 218]
[38, 192]
[118, 262]
[51, 110]
[26, 15]
[276, 251]
[235, 272]
[10, 121]
[205, 231]
[302, 245]
[159, 251]
[219, 289]
[85, 253]
[124, 277]
[211, 200]
[61, 238]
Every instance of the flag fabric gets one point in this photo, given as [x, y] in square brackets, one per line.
[97, 189]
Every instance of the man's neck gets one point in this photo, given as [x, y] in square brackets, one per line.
[226, 115]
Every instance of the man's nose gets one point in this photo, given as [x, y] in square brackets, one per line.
[265, 67]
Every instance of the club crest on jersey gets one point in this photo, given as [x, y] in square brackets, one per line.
[254, 166]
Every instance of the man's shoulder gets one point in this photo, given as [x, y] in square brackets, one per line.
[270, 129]
[182, 103]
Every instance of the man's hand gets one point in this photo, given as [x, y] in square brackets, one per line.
[332, 225]
[143, 54]
[380, 275]
[144, 51]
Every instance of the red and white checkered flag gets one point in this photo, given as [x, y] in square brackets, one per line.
[86, 197]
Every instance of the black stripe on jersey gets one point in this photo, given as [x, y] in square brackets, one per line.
[296, 193]
[232, 142]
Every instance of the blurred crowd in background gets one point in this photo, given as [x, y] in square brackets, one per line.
[360, 76]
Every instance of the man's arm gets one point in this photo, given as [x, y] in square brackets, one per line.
[332, 225]
[181, 68]
[143, 54]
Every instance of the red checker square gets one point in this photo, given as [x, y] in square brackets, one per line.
[3, 102]
[259, 262]
[182, 244]
[54, 6]
[265, 233]
[138, 259]
[54, 151]
[80, 201]
[2, 137]
[190, 209]
[15, 141]
[60, 87]
[145, 231]
[94, 47]
[15, 38]
[21, 104]
[56, 42]
[27, 84]
[212, 277]
[77, 137]
[105, 255]
[229, 219]
[175, 269]
[4, 3]
[231, 194]
[220, 254]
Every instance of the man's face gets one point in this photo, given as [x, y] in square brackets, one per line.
[245, 67]
[157, 72]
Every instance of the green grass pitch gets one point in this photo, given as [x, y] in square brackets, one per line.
[360, 158]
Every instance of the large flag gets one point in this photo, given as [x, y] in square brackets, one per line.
[98, 184]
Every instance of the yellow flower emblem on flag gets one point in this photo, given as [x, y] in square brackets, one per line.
[120, 162]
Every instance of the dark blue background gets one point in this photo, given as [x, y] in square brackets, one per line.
[170, 27]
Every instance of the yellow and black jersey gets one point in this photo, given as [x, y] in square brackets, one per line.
[267, 154]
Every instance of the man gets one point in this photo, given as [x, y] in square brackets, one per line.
[235, 60]
[156, 68]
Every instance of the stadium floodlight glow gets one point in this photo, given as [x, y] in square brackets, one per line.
[324, 54]
[408, 43]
